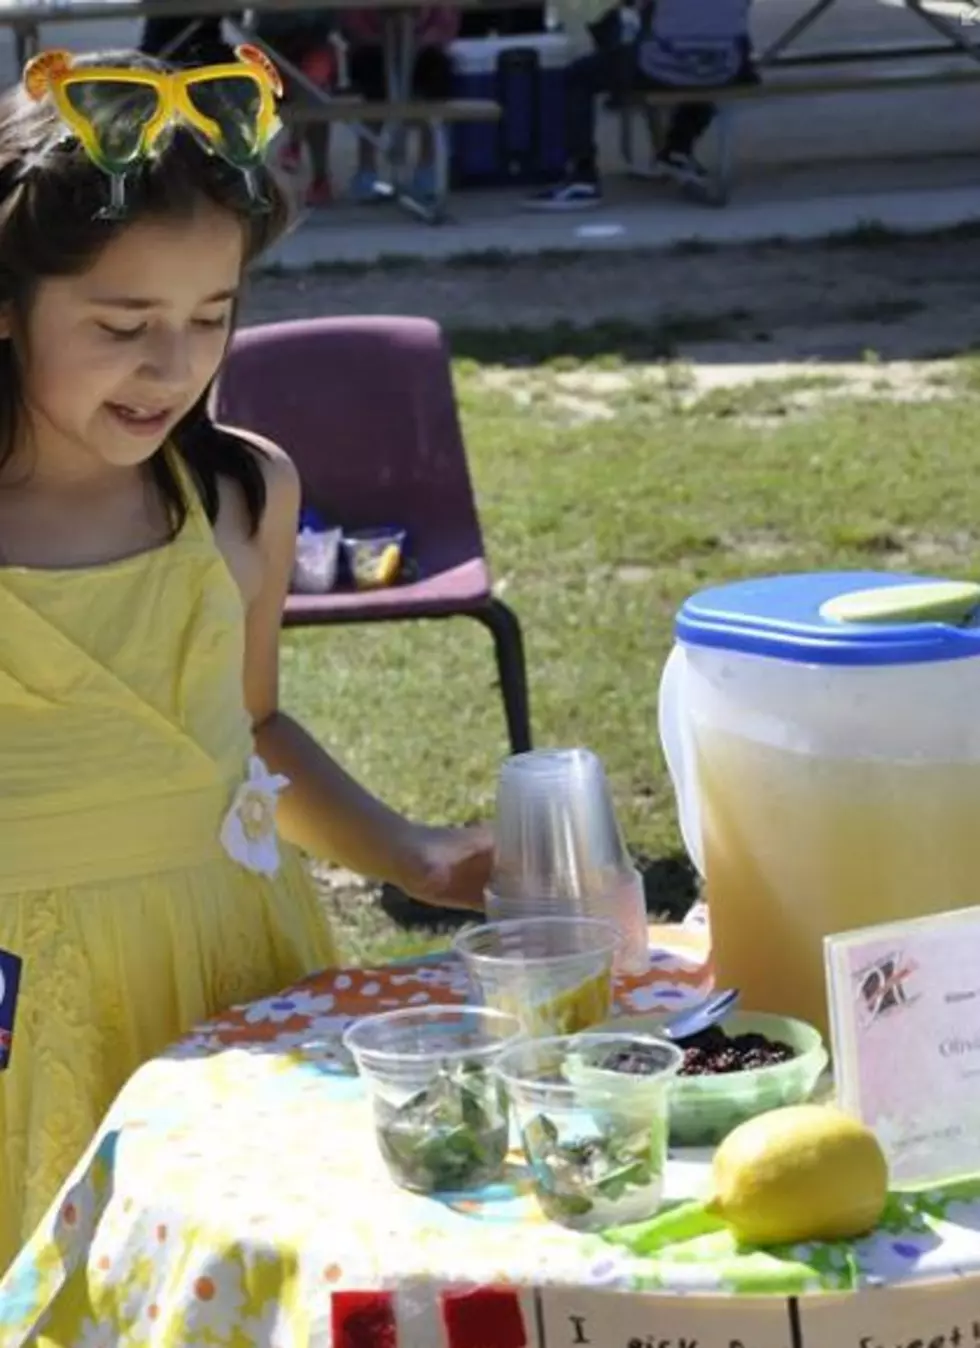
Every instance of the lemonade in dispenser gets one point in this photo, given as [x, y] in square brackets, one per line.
[823, 736]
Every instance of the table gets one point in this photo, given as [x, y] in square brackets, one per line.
[956, 36]
[234, 1198]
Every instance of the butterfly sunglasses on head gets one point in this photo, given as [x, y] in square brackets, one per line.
[121, 115]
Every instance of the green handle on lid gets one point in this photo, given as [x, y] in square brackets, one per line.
[946, 601]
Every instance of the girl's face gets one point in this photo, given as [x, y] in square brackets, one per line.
[115, 356]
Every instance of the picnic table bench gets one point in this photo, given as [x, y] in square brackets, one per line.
[773, 84]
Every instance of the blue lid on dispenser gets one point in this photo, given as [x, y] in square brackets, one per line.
[838, 618]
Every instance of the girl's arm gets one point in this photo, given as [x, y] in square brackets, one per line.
[324, 811]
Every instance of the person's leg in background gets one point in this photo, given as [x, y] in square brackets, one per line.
[320, 66]
[688, 123]
[432, 82]
[308, 51]
[608, 70]
[319, 192]
[283, 41]
[366, 69]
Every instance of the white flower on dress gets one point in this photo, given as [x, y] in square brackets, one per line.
[248, 833]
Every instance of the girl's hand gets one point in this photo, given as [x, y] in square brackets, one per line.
[452, 866]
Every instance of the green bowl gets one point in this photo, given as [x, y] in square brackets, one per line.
[705, 1109]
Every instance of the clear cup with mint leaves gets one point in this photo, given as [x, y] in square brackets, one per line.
[441, 1113]
[592, 1110]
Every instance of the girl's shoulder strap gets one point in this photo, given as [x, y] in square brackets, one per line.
[196, 525]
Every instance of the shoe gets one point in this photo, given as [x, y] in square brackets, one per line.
[365, 187]
[319, 194]
[573, 195]
[683, 168]
[423, 184]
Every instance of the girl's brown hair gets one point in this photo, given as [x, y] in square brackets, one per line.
[50, 198]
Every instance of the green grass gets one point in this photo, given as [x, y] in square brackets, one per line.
[598, 528]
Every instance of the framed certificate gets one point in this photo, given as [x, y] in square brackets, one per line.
[905, 1028]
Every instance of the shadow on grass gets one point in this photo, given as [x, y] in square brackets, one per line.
[630, 343]
[670, 886]
[866, 236]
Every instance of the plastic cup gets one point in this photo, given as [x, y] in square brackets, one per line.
[553, 974]
[317, 556]
[556, 830]
[592, 1110]
[440, 1113]
[374, 556]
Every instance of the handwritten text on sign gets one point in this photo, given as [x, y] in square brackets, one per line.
[575, 1318]
[919, 1315]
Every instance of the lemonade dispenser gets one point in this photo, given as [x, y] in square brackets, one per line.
[823, 737]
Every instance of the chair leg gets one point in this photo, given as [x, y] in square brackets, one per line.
[508, 643]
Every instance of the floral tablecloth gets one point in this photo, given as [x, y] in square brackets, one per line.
[234, 1198]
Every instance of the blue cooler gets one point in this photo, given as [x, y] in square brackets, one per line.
[526, 76]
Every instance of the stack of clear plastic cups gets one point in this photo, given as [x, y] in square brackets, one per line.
[553, 973]
[559, 850]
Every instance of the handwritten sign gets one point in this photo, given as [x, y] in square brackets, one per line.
[573, 1318]
[905, 1015]
[918, 1315]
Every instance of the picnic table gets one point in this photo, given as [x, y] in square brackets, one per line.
[25, 18]
[787, 71]
[956, 35]
[235, 1198]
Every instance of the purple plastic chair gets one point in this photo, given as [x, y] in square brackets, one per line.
[365, 407]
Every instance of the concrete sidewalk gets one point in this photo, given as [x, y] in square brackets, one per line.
[806, 204]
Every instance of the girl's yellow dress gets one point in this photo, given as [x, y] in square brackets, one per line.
[123, 740]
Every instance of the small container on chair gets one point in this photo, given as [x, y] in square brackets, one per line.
[317, 557]
[374, 556]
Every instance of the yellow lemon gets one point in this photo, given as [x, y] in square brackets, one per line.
[807, 1172]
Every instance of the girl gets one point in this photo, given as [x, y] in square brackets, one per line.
[145, 555]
